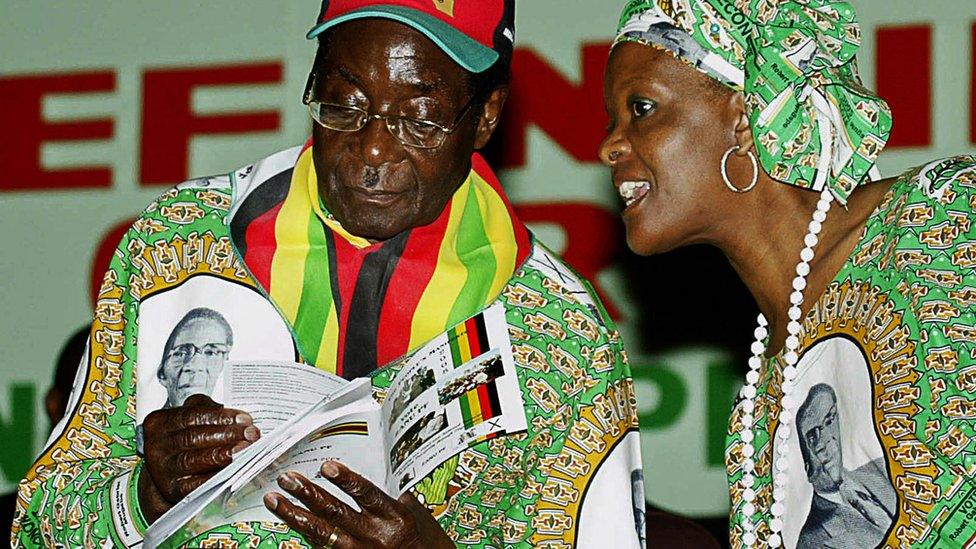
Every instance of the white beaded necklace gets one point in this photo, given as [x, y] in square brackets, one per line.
[789, 402]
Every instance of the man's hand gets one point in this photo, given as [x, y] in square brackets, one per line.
[327, 522]
[185, 446]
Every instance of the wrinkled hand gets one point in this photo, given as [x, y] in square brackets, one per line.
[384, 522]
[185, 446]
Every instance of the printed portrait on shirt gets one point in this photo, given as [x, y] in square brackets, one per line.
[194, 356]
[189, 332]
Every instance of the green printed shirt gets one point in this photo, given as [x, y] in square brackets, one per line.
[571, 478]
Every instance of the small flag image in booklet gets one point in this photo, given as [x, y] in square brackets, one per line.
[455, 391]
[347, 428]
[480, 404]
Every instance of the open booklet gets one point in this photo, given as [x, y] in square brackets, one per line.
[455, 391]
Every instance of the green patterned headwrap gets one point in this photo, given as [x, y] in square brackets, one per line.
[814, 123]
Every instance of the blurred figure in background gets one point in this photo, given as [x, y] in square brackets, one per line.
[56, 399]
[55, 403]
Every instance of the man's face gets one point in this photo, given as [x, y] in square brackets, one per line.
[821, 432]
[373, 184]
[195, 360]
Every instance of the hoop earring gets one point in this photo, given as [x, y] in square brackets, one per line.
[725, 173]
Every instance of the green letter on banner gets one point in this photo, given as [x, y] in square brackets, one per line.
[17, 433]
[673, 395]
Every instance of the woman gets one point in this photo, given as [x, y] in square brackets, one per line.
[744, 125]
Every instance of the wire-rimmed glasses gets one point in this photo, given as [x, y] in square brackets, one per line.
[412, 132]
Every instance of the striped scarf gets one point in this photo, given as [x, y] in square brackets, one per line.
[354, 305]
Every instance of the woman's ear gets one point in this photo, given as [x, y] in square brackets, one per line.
[490, 115]
[741, 129]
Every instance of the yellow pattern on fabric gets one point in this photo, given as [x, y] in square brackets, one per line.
[288, 264]
[496, 225]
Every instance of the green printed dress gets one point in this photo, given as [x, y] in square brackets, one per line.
[571, 479]
[883, 443]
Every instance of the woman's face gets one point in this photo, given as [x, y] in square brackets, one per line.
[669, 127]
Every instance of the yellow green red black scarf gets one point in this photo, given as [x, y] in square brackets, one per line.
[354, 305]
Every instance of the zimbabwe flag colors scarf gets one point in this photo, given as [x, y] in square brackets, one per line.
[355, 305]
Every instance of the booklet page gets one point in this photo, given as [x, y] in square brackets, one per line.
[347, 439]
[274, 392]
[459, 389]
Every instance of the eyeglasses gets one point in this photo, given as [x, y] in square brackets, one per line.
[412, 132]
[183, 354]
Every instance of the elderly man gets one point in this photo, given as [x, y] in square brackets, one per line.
[849, 508]
[194, 355]
[382, 232]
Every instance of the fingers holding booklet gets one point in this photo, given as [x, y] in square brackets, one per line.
[457, 390]
[185, 445]
[381, 521]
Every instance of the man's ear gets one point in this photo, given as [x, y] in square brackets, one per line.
[490, 116]
[741, 128]
[55, 403]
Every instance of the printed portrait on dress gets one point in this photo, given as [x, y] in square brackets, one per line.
[839, 492]
[620, 467]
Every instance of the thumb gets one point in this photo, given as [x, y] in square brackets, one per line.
[200, 401]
